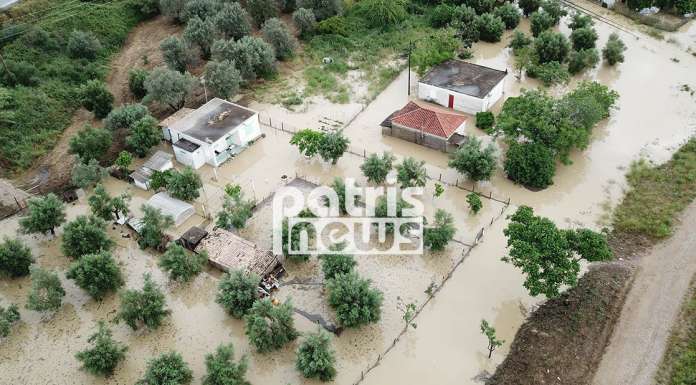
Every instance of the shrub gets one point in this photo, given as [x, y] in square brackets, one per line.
[305, 21]
[85, 235]
[200, 32]
[540, 22]
[590, 245]
[87, 174]
[97, 274]
[490, 27]
[123, 161]
[473, 161]
[333, 145]
[43, 214]
[175, 53]
[551, 46]
[8, 317]
[180, 265]
[167, 369]
[485, 120]
[555, 9]
[519, 40]
[583, 38]
[549, 73]
[202, 9]
[251, 55]
[168, 87]
[532, 165]
[125, 116]
[353, 300]
[15, 258]
[233, 21]
[334, 264]
[145, 307]
[222, 370]
[382, 13]
[435, 49]
[104, 354]
[154, 225]
[277, 34]
[19, 73]
[580, 60]
[237, 292]
[509, 14]
[83, 45]
[437, 236]
[580, 20]
[97, 98]
[323, 9]
[411, 173]
[136, 82]
[613, 51]
[90, 143]
[270, 327]
[235, 211]
[315, 358]
[46, 292]
[442, 15]
[336, 25]
[529, 6]
[144, 135]
[474, 201]
[262, 10]
[376, 168]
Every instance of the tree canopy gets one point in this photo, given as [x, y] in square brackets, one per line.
[315, 358]
[46, 293]
[43, 214]
[97, 274]
[353, 300]
[376, 168]
[237, 292]
[181, 265]
[222, 370]
[411, 172]
[15, 258]
[85, 235]
[270, 327]
[167, 369]
[146, 307]
[441, 232]
[473, 161]
[104, 354]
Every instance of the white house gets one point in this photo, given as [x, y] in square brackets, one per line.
[212, 133]
[462, 86]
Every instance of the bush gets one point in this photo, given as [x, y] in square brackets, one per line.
[519, 40]
[154, 225]
[262, 10]
[180, 265]
[222, 370]
[167, 369]
[305, 21]
[485, 120]
[200, 33]
[43, 214]
[549, 73]
[136, 82]
[90, 143]
[376, 168]
[252, 56]
[168, 87]
[411, 173]
[277, 34]
[233, 21]
[490, 27]
[540, 22]
[583, 38]
[333, 145]
[353, 300]
[435, 49]
[382, 13]
[580, 60]
[555, 9]
[437, 236]
[551, 46]
[97, 274]
[613, 51]
[580, 20]
[145, 307]
[474, 201]
[123, 161]
[473, 161]
[323, 9]
[590, 245]
[104, 354]
[144, 135]
[336, 25]
[532, 165]
[315, 358]
[8, 317]
[97, 98]
[509, 14]
[336, 263]
[442, 15]
[85, 235]
[529, 6]
[15, 258]
[87, 174]
[202, 9]
[19, 73]
[83, 45]
[270, 327]
[175, 53]
[237, 292]
[125, 116]
[46, 292]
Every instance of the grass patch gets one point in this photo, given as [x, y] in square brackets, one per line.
[679, 362]
[657, 194]
[36, 33]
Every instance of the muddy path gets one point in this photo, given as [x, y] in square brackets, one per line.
[636, 348]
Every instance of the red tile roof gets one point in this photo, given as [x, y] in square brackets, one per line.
[430, 120]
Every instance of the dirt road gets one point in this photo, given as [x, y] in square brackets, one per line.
[636, 348]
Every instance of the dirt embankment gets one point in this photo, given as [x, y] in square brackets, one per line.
[563, 340]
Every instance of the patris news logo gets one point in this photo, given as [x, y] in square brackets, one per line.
[364, 221]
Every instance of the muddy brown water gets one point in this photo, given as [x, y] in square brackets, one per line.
[653, 118]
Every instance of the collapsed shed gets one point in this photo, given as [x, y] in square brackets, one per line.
[228, 251]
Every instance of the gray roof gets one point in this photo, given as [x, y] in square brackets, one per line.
[159, 161]
[213, 120]
[464, 78]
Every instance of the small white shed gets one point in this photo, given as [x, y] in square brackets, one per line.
[462, 86]
[159, 161]
[179, 210]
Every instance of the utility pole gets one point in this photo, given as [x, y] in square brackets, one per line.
[410, 48]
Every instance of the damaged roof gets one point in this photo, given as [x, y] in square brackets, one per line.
[465, 78]
[212, 121]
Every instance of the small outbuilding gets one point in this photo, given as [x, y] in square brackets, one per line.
[179, 210]
[192, 237]
[462, 86]
[228, 251]
[211, 134]
[428, 125]
[159, 161]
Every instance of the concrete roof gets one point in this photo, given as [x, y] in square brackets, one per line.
[212, 121]
[175, 117]
[463, 77]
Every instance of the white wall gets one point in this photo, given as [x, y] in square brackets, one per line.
[464, 103]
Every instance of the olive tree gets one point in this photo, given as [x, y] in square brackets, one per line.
[86, 174]
[376, 168]
[222, 370]
[123, 161]
[97, 274]
[237, 292]
[104, 354]
[202, 9]
[270, 327]
[315, 358]
[46, 292]
[172, 8]
[323, 9]
[200, 33]
[578, 61]
[614, 49]
[43, 214]
[252, 56]
[551, 46]
[144, 135]
[353, 300]
[474, 202]
[167, 369]
[475, 162]
[276, 33]
[125, 116]
[223, 78]
[181, 265]
[333, 264]
[104, 206]
[95, 97]
[176, 54]
[83, 45]
[146, 307]
[580, 20]
[441, 232]
[332, 146]
[530, 164]
[233, 21]
[490, 27]
[235, 209]
[509, 14]
[184, 184]
[15, 258]
[262, 10]
[540, 21]
[583, 38]
[305, 21]
[411, 172]
[90, 143]
[168, 87]
[529, 6]
[85, 235]
[136, 82]
[153, 227]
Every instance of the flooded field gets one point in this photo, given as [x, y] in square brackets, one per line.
[653, 117]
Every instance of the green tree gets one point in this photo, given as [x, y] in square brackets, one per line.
[339, 186]
[262, 10]
[184, 184]
[143, 136]
[172, 8]
[15, 258]
[580, 20]
[323, 9]
[382, 13]
[175, 53]
[202, 9]
[613, 51]
[100, 203]
[237, 292]
[270, 327]
[233, 21]
[168, 87]
[376, 168]
[86, 174]
[549, 73]
[96, 98]
[276, 33]
[583, 38]
[308, 141]
[46, 293]
[222, 370]
[518, 41]
[235, 210]
[251, 55]
[411, 172]
[555, 9]
[8, 317]
[540, 21]
[551, 46]
[123, 161]
[167, 369]
[529, 6]
[315, 358]
[97, 274]
[90, 143]
[437, 236]
[291, 237]
[530, 164]
[382, 211]
[493, 341]
[153, 227]
[102, 357]
[180, 265]
[223, 78]
[581, 60]
[474, 201]
[305, 21]
[589, 245]
[43, 214]
[336, 263]
[146, 307]
[332, 146]
[485, 120]
[83, 45]
[490, 27]
[136, 82]
[475, 162]
[85, 235]
[353, 300]
[200, 33]
[125, 116]
[509, 14]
